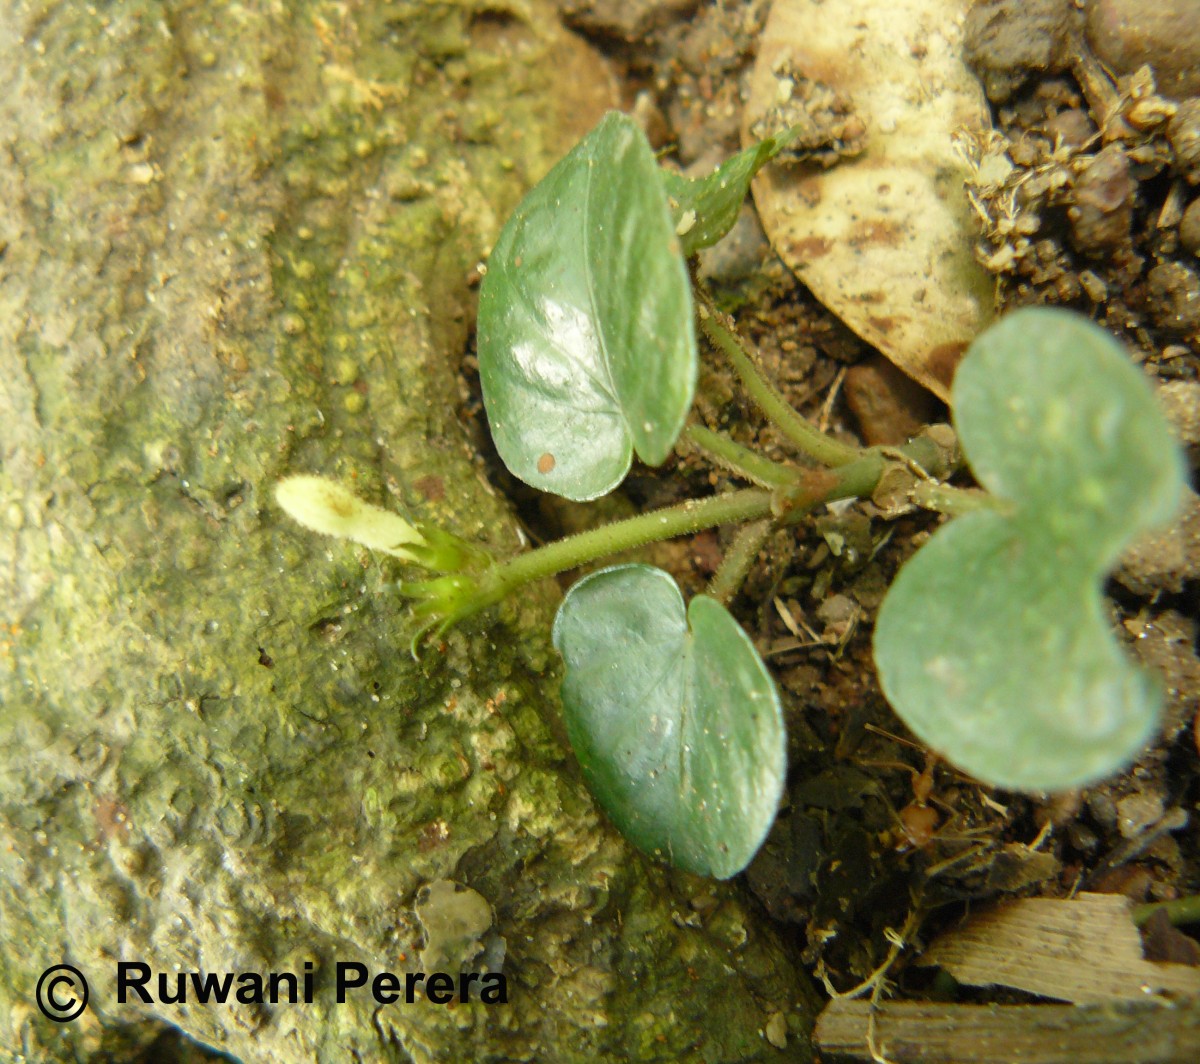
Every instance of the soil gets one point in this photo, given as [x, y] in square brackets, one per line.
[1098, 210]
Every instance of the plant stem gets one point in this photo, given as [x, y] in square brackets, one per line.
[739, 459]
[944, 499]
[502, 579]
[452, 597]
[738, 559]
[825, 449]
[1180, 911]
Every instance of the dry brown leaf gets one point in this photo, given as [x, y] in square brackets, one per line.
[883, 238]
[1085, 950]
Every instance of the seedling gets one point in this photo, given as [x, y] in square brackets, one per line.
[992, 644]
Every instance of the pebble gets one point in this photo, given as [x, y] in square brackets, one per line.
[890, 407]
[739, 255]
[1175, 297]
[1139, 812]
[1007, 40]
[1189, 228]
[1127, 34]
[775, 1030]
[1102, 214]
[1183, 133]
[626, 19]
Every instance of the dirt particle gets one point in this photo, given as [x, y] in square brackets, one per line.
[1127, 34]
[1175, 297]
[627, 20]
[943, 360]
[1103, 212]
[890, 406]
[1164, 559]
[1189, 228]
[1007, 40]
[1183, 133]
[1181, 402]
[706, 551]
[546, 463]
[1071, 126]
[431, 487]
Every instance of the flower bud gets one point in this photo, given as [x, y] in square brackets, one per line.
[325, 506]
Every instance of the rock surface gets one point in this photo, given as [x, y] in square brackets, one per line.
[626, 20]
[1126, 34]
[1006, 41]
[235, 243]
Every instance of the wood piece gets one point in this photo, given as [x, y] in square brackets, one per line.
[926, 1033]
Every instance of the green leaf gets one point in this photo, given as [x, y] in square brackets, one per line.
[673, 717]
[704, 209]
[993, 644]
[587, 346]
[1053, 416]
[1007, 666]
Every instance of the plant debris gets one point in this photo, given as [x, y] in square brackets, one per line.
[1084, 950]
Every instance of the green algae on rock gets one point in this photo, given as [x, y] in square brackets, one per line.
[237, 241]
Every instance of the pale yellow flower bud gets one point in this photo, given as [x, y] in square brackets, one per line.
[325, 506]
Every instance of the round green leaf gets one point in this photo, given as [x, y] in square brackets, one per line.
[995, 651]
[673, 716]
[587, 347]
[1053, 416]
[992, 643]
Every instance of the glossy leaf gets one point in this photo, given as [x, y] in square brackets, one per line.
[993, 643]
[673, 717]
[587, 348]
[705, 208]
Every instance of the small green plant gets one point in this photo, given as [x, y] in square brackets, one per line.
[992, 643]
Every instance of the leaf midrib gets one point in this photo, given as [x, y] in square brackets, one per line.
[601, 336]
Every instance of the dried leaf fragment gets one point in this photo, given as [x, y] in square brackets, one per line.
[1085, 950]
[884, 239]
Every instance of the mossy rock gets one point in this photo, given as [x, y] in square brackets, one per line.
[237, 242]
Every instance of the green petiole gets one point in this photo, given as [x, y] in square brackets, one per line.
[449, 599]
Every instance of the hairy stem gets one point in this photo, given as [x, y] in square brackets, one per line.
[740, 460]
[738, 559]
[450, 598]
[811, 441]
[501, 580]
[1179, 911]
[944, 499]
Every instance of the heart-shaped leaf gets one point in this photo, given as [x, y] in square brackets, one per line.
[705, 208]
[993, 644]
[1053, 416]
[587, 346]
[673, 717]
